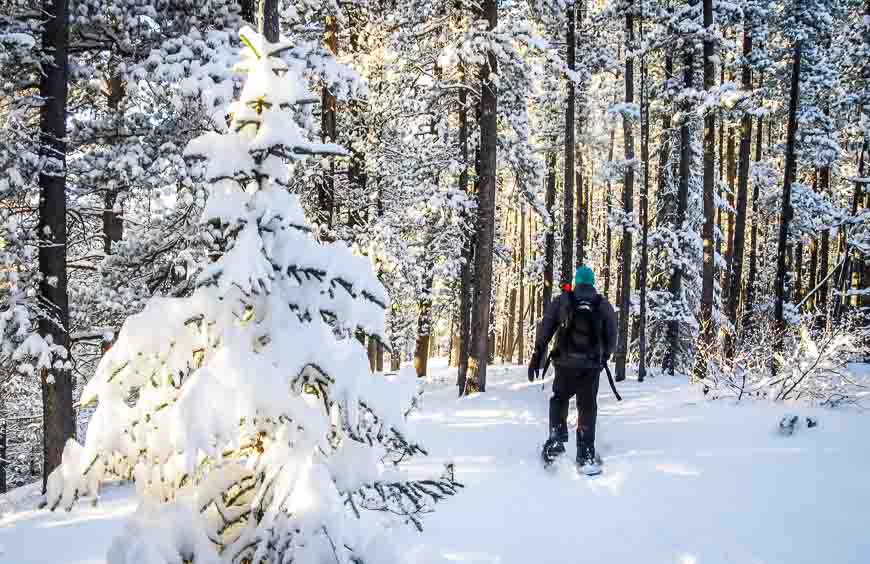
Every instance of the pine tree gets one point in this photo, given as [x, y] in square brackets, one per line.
[250, 420]
[58, 417]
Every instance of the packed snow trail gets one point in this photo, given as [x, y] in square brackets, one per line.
[685, 481]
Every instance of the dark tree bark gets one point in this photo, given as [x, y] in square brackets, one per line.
[749, 300]
[728, 233]
[739, 240]
[328, 108]
[608, 253]
[508, 346]
[467, 249]
[786, 211]
[582, 213]
[676, 282]
[267, 20]
[248, 11]
[549, 239]
[486, 202]
[58, 415]
[644, 215]
[798, 271]
[583, 188]
[812, 271]
[627, 203]
[357, 173]
[667, 209]
[424, 323]
[856, 279]
[521, 335]
[707, 233]
[567, 269]
[113, 222]
[824, 256]
[3, 443]
[372, 351]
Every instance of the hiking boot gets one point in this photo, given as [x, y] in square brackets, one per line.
[553, 448]
[588, 463]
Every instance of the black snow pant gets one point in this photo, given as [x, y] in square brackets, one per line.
[583, 384]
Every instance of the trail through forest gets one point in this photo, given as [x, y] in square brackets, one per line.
[686, 481]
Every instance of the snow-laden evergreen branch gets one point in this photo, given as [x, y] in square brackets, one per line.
[246, 413]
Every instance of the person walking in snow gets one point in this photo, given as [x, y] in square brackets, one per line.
[584, 323]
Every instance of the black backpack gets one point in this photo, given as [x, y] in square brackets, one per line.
[580, 325]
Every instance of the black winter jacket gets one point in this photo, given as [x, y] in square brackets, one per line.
[550, 322]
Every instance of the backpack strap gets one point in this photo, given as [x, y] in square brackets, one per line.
[596, 301]
[566, 316]
[566, 309]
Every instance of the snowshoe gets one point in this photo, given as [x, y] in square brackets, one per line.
[552, 450]
[787, 425]
[588, 462]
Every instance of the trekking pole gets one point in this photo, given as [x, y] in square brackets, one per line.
[612, 385]
[544, 371]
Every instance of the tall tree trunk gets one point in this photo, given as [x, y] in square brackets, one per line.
[644, 214]
[707, 233]
[395, 360]
[608, 253]
[267, 20]
[372, 351]
[749, 299]
[857, 267]
[582, 213]
[824, 255]
[424, 323]
[549, 239]
[3, 460]
[475, 311]
[113, 221]
[821, 296]
[627, 201]
[812, 272]
[357, 172]
[786, 210]
[467, 248]
[583, 193]
[798, 271]
[676, 282]
[739, 240]
[508, 348]
[326, 184]
[521, 333]
[667, 209]
[58, 420]
[731, 174]
[568, 202]
[486, 200]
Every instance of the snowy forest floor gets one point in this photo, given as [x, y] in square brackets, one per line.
[686, 481]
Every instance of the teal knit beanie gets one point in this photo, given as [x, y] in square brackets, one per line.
[584, 275]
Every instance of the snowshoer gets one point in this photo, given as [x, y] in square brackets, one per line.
[585, 325]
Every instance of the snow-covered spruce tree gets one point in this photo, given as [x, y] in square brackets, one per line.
[246, 413]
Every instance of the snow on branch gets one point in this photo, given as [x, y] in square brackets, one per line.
[246, 413]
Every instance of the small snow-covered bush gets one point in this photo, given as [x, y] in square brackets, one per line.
[246, 413]
[814, 366]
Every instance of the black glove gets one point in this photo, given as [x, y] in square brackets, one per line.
[535, 364]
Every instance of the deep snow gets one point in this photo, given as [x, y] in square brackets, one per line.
[686, 481]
